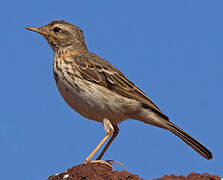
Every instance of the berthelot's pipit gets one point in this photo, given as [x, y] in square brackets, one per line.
[98, 91]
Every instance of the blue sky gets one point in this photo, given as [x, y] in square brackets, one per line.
[172, 50]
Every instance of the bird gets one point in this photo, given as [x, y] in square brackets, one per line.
[97, 90]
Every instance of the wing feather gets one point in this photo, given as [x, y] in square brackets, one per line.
[99, 71]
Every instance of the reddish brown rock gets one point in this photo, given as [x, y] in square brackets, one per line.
[102, 171]
[191, 176]
[94, 171]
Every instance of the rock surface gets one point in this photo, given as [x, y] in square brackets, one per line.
[191, 176]
[94, 171]
[103, 171]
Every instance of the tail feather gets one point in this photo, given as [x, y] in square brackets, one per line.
[189, 140]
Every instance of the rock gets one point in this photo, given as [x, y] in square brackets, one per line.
[191, 176]
[94, 171]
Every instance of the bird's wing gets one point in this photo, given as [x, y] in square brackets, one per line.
[101, 72]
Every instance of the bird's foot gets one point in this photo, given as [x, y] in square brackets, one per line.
[109, 162]
[117, 162]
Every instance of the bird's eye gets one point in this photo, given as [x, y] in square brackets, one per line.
[56, 29]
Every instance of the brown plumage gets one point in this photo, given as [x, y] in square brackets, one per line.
[99, 91]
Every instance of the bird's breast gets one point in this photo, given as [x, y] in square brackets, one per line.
[89, 99]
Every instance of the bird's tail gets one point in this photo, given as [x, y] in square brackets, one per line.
[162, 121]
[188, 139]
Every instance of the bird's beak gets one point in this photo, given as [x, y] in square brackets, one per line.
[38, 30]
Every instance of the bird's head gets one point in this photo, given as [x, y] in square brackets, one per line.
[61, 35]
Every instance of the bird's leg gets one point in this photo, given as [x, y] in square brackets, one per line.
[109, 131]
[115, 133]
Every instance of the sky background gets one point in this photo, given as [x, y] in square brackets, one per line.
[172, 50]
